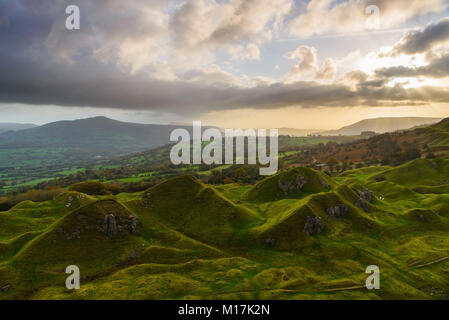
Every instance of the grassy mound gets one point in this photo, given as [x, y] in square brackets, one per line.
[286, 231]
[77, 239]
[187, 205]
[418, 172]
[295, 183]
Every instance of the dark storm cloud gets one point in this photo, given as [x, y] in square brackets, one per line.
[437, 68]
[423, 40]
[42, 63]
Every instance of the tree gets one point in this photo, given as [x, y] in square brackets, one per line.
[215, 177]
[332, 162]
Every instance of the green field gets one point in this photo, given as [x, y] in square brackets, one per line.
[195, 241]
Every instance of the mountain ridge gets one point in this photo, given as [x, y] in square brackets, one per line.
[382, 125]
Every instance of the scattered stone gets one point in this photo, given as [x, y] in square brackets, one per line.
[338, 211]
[132, 226]
[60, 230]
[269, 241]
[344, 232]
[184, 223]
[110, 226]
[367, 195]
[146, 202]
[314, 225]
[287, 186]
[75, 235]
[422, 218]
[132, 255]
[325, 184]
[6, 288]
[361, 203]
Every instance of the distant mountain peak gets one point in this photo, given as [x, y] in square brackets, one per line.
[382, 125]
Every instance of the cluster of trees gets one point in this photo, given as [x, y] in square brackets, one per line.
[11, 199]
[388, 148]
[243, 174]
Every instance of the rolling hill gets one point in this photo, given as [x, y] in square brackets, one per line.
[183, 239]
[381, 125]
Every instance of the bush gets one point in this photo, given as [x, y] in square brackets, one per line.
[93, 188]
[11, 200]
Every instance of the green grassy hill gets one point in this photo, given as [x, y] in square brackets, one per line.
[296, 235]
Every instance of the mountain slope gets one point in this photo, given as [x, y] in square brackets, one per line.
[381, 125]
[10, 126]
[99, 133]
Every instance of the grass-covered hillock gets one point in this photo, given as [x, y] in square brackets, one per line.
[187, 205]
[290, 184]
[418, 172]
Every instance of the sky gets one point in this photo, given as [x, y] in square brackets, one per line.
[317, 64]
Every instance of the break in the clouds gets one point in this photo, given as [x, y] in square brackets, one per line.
[185, 57]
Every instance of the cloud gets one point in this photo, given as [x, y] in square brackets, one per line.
[307, 61]
[308, 65]
[423, 40]
[250, 52]
[437, 68]
[139, 56]
[326, 16]
[200, 26]
[327, 71]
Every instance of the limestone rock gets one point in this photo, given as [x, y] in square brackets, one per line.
[110, 225]
[313, 225]
[367, 195]
[297, 184]
[324, 184]
[338, 211]
[269, 241]
[132, 226]
[361, 203]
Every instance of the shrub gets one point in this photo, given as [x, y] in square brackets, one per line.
[93, 188]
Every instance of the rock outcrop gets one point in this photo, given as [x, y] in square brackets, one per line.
[297, 184]
[324, 184]
[367, 195]
[362, 204]
[314, 225]
[338, 211]
[110, 226]
[146, 202]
